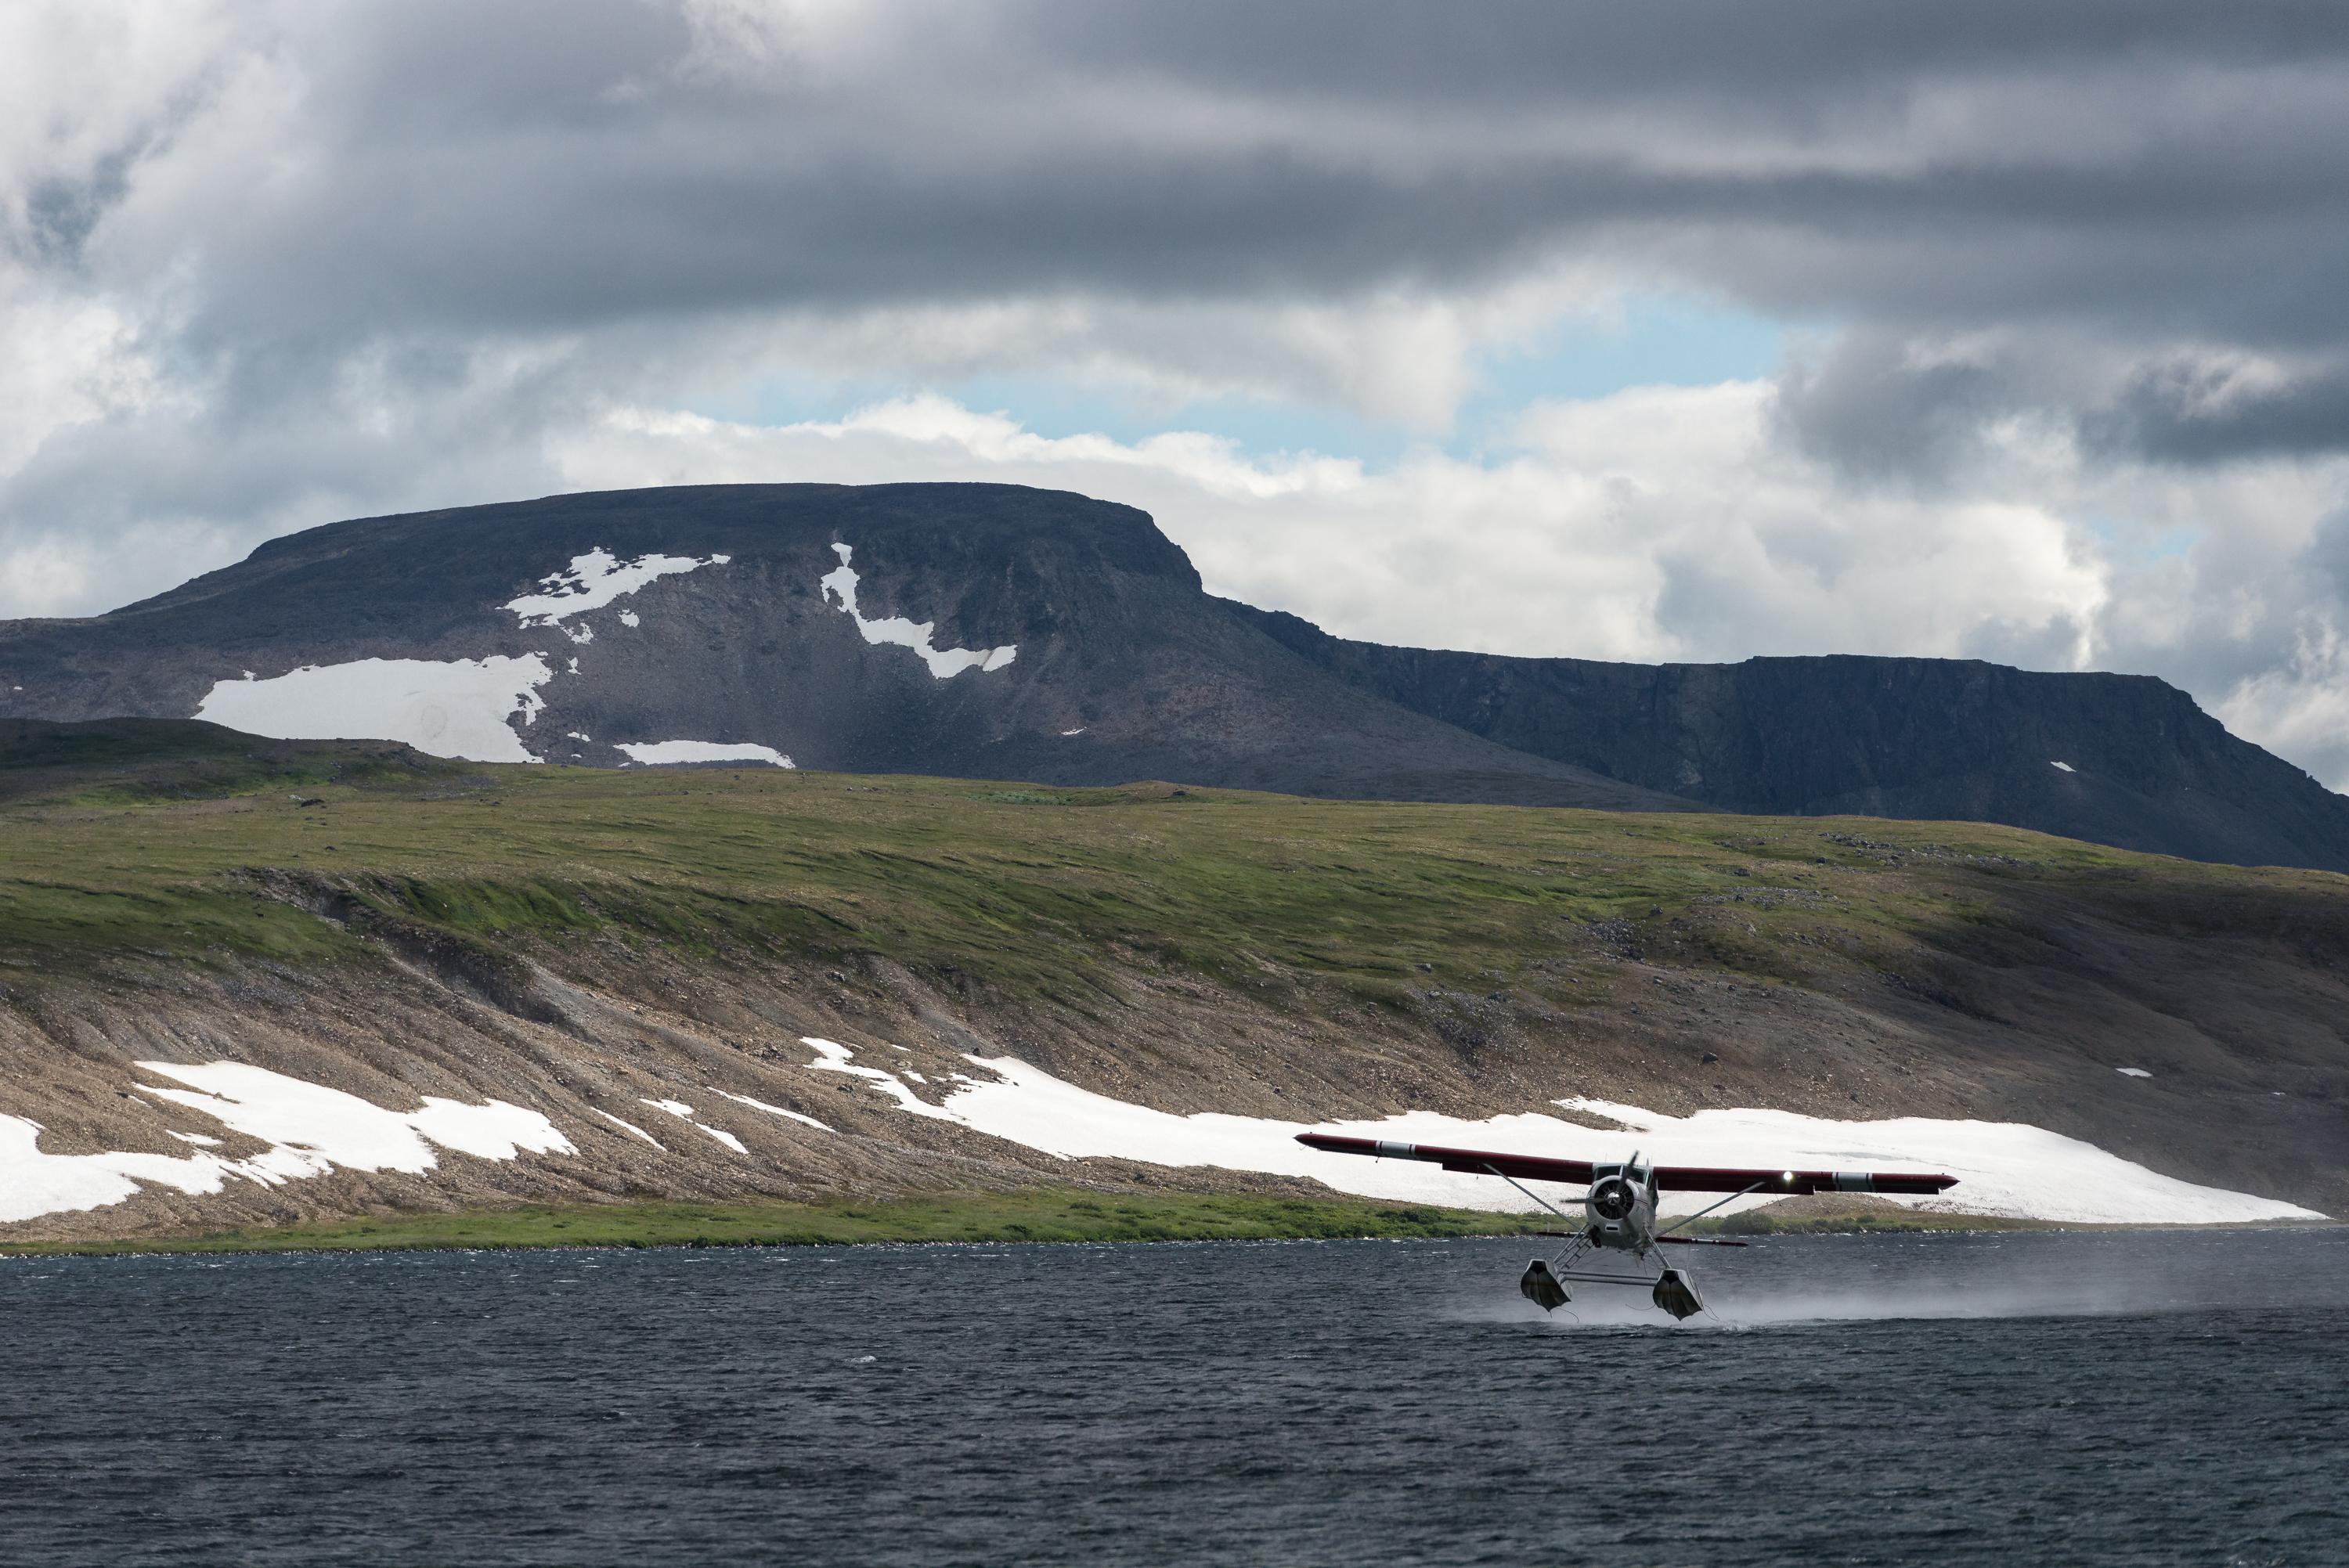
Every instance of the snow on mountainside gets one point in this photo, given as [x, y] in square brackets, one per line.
[980, 630]
[466, 708]
[993, 631]
[840, 588]
[453, 708]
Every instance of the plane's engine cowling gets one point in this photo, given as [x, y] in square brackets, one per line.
[1611, 1198]
[1618, 1212]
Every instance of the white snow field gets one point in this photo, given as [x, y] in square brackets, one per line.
[595, 580]
[309, 1128]
[839, 584]
[2003, 1168]
[832, 1056]
[658, 752]
[455, 708]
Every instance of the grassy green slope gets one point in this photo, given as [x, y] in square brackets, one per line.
[117, 761]
[1027, 888]
[1051, 899]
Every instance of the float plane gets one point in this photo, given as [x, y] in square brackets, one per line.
[1618, 1208]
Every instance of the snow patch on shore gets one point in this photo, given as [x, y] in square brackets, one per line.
[310, 1128]
[33, 1183]
[2007, 1168]
[458, 708]
[832, 1056]
[655, 753]
[2003, 1168]
[337, 1129]
[839, 587]
[1028, 1106]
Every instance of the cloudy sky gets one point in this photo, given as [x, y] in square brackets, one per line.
[1695, 330]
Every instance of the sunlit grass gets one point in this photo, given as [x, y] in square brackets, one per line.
[1026, 888]
[1054, 1214]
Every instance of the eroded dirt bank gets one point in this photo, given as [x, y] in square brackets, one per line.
[2242, 1033]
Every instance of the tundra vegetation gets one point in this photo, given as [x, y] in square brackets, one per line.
[137, 850]
[1064, 1214]
[190, 853]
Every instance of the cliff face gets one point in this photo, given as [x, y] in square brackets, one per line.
[2125, 760]
[990, 631]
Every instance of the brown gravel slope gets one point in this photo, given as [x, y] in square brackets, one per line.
[1188, 951]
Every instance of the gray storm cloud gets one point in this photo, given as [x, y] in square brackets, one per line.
[261, 265]
[2120, 169]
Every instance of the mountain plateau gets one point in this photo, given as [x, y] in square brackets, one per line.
[993, 632]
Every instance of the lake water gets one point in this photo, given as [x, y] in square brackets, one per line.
[2037, 1398]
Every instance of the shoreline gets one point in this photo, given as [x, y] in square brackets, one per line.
[1009, 1218]
[1035, 1214]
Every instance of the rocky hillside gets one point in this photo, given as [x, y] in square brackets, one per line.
[994, 632]
[243, 984]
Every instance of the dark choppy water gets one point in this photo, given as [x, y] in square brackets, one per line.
[1932, 1400]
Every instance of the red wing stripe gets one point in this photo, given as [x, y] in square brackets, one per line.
[1669, 1178]
[1472, 1161]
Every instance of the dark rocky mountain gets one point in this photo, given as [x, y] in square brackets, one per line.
[2127, 761]
[1042, 636]
[998, 632]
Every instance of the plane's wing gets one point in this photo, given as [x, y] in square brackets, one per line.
[1668, 1178]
